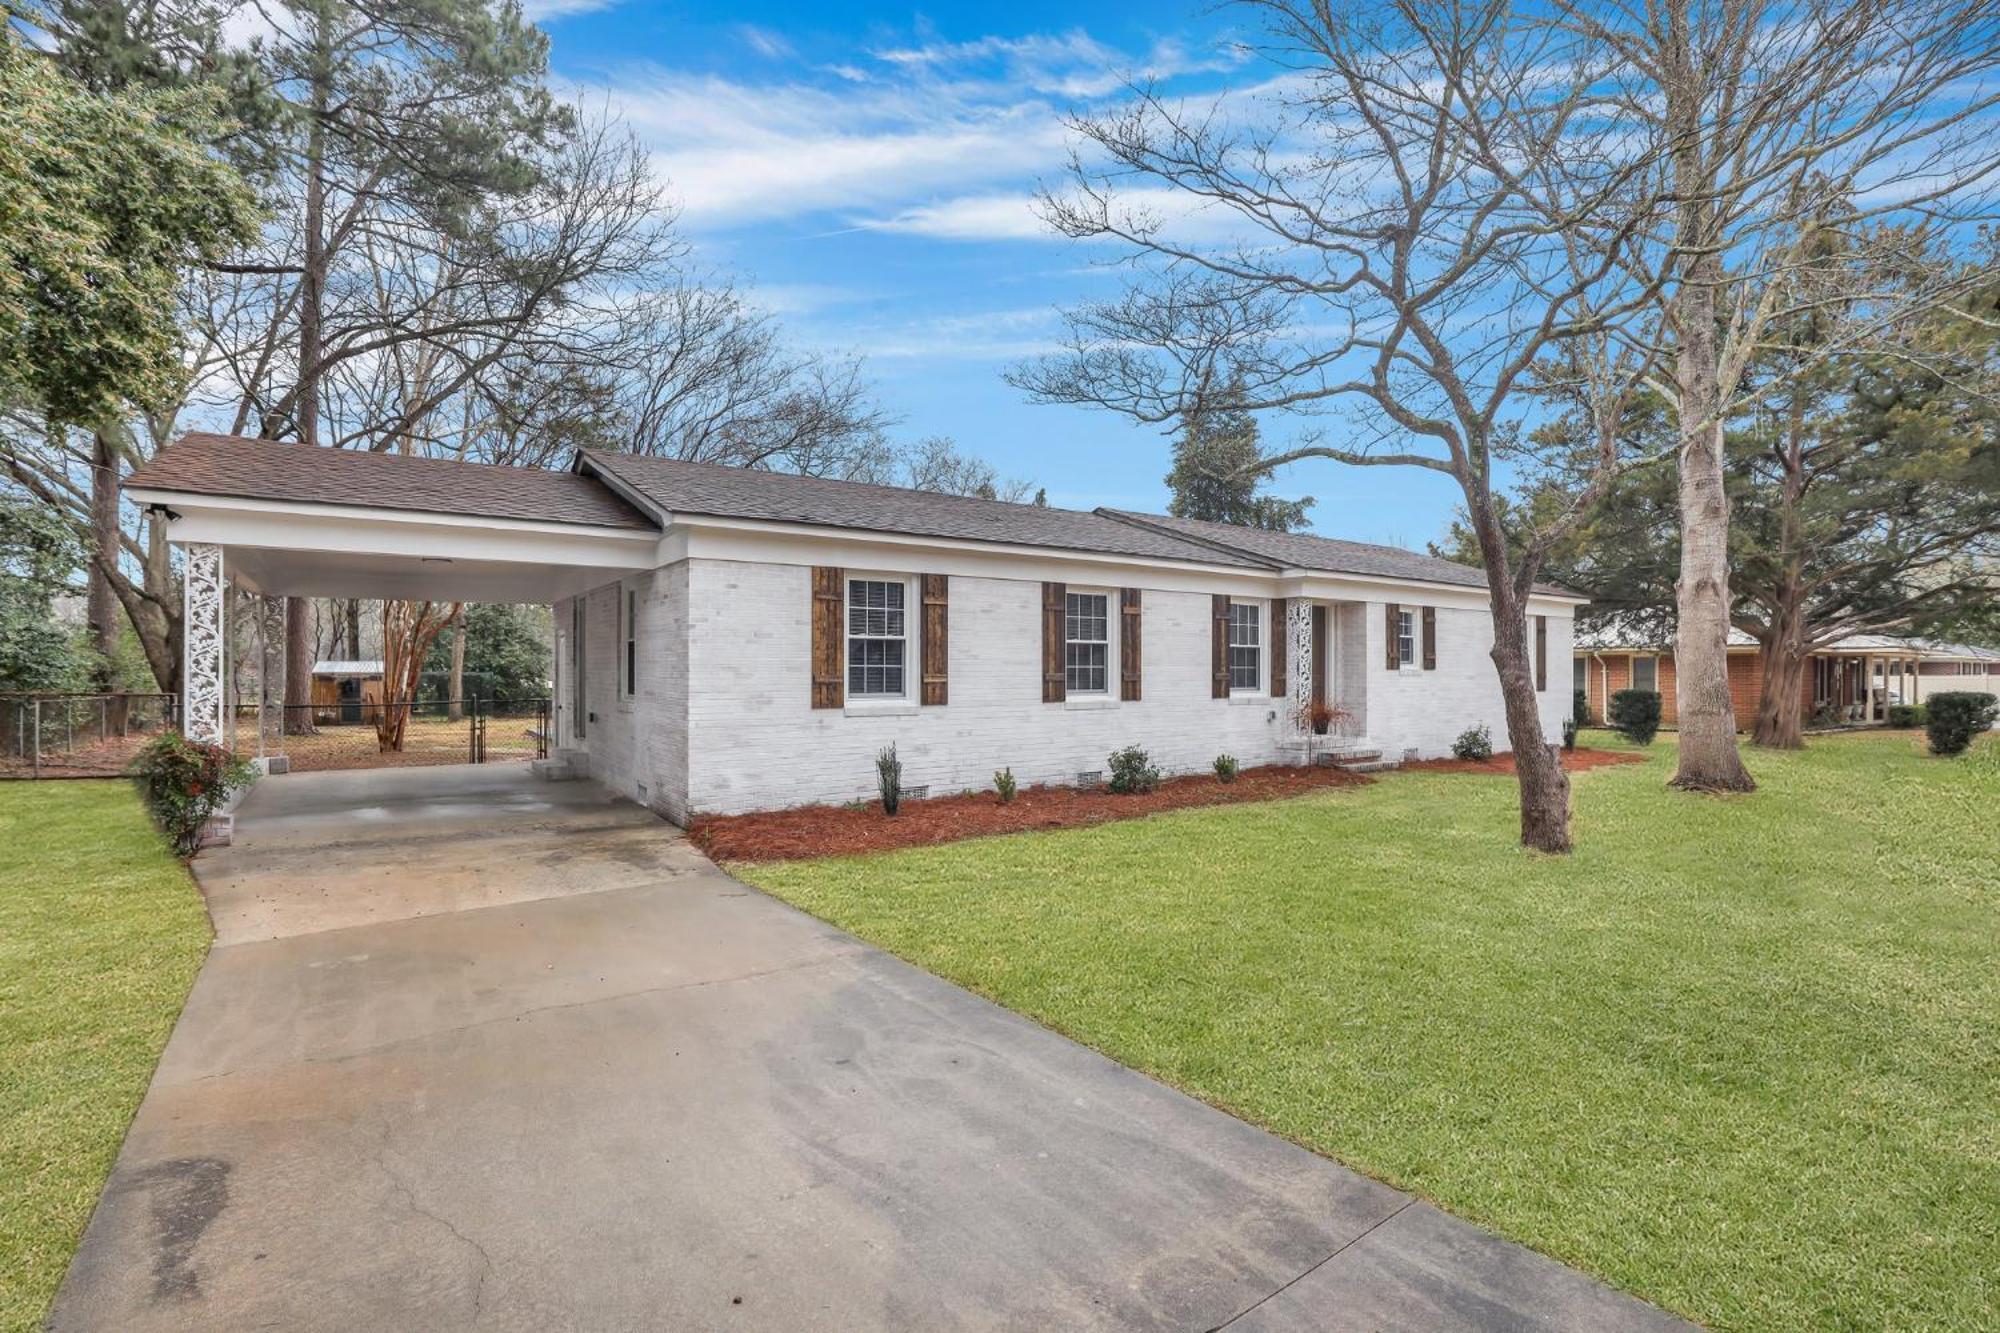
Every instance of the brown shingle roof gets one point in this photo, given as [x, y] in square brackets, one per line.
[1303, 550]
[244, 468]
[718, 491]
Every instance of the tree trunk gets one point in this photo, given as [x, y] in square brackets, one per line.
[1780, 719]
[298, 666]
[1538, 771]
[352, 611]
[456, 694]
[1709, 760]
[312, 283]
[102, 605]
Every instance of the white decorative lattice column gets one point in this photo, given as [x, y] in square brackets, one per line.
[1299, 630]
[203, 644]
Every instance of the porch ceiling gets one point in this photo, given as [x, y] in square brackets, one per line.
[301, 573]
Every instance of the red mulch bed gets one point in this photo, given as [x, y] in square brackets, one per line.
[1574, 761]
[833, 830]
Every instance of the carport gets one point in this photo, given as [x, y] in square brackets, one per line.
[259, 521]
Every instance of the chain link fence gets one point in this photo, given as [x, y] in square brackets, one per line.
[368, 734]
[97, 735]
[77, 735]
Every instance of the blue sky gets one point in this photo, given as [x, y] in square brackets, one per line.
[866, 170]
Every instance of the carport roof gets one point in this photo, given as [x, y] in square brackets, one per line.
[239, 467]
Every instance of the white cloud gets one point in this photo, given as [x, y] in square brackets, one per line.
[930, 138]
[736, 152]
[770, 45]
[547, 11]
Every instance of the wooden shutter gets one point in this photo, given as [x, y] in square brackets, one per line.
[937, 643]
[1541, 652]
[1392, 619]
[1279, 632]
[1218, 647]
[1430, 638]
[829, 643]
[1055, 602]
[1128, 644]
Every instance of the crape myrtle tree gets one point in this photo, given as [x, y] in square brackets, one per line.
[1379, 268]
[1771, 124]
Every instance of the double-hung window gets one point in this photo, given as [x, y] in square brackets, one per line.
[1406, 637]
[1245, 647]
[1646, 674]
[1087, 643]
[877, 638]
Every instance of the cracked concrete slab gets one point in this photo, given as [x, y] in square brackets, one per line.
[673, 1102]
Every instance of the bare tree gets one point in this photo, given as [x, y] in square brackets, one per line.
[936, 463]
[1772, 125]
[1378, 266]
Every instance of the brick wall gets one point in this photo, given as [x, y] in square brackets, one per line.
[723, 721]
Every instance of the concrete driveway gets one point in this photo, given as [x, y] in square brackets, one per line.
[476, 1051]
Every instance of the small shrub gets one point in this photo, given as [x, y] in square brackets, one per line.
[1474, 743]
[1954, 718]
[1132, 771]
[1569, 733]
[1579, 709]
[1004, 786]
[889, 777]
[1906, 715]
[184, 783]
[1636, 713]
[1225, 768]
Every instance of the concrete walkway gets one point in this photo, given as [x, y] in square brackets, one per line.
[473, 1051]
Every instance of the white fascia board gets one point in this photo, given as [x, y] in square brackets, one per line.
[1320, 586]
[281, 525]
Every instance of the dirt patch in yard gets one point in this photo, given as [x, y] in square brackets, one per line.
[835, 830]
[1502, 765]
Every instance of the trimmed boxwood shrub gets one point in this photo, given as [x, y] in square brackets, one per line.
[1132, 771]
[1474, 743]
[1636, 713]
[1953, 718]
[1906, 715]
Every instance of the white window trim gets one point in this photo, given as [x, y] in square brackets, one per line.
[1413, 662]
[1632, 678]
[1108, 696]
[1257, 688]
[882, 705]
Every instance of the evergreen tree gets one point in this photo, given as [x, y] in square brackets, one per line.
[1218, 469]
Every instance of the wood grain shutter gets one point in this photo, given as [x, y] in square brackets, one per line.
[1218, 647]
[1541, 652]
[1128, 644]
[1430, 638]
[1280, 631]
[1055, 604]
[829, 644]
[937, 640]
[1392, 620]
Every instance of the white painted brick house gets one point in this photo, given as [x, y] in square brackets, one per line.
[731, 640]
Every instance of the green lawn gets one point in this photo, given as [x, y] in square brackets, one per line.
[101, 933]
[1739, 1056]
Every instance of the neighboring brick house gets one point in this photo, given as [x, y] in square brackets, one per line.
[1856, 679]
[731, 640]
